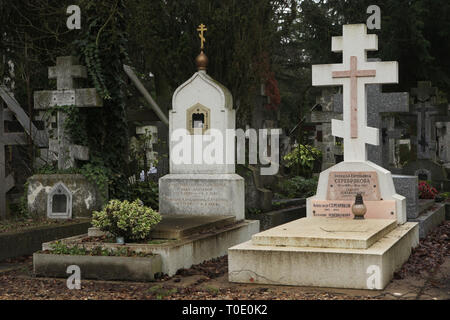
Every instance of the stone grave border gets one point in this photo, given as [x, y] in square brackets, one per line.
[175, 254]
[99, 267]
[26, 242]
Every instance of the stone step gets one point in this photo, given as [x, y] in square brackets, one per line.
[326, 233]
[182, 226]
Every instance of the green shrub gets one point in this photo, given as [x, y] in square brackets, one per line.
[298, 187]
[302, 158]
[131, 220]
[445, 195]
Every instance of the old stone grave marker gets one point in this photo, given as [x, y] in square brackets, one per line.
[67, 72]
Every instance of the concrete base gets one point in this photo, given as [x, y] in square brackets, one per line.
[183, 253]
[370, 268]
[202, 194]
[430, 219]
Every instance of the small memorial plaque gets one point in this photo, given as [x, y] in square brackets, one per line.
[345, 185]
[63, 98]
[343, 209]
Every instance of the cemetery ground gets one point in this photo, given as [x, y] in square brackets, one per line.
[426, 276]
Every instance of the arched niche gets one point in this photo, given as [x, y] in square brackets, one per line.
[59, 202]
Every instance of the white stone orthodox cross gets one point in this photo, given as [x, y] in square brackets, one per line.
[66, 72]
[354, 74]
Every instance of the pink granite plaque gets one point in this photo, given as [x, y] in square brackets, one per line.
[345, 185]
[384, 209]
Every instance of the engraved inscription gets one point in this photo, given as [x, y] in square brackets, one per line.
[211, 195]
[343, 209]
[332, 209]
[345, 185]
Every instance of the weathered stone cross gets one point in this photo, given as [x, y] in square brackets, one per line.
[66, 72]
[428, 113]
[354, 74]
[377, 103]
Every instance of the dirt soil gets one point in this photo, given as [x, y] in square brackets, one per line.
[426, 276]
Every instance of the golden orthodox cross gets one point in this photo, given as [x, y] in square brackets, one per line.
[202, 28]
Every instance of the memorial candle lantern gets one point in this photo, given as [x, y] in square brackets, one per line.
[359, 209]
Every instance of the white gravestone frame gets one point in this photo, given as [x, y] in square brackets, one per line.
[59, 189]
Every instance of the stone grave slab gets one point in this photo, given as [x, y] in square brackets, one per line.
[181, 226]
[326, 233]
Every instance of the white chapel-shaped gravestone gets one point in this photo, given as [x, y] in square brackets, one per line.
[201, 180]
[339, 184]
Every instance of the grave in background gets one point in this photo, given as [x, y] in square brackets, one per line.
[85, 196]
[428, 113]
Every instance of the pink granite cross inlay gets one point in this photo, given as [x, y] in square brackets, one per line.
[354, 74]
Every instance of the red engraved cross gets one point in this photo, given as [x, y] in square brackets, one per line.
[354, 74]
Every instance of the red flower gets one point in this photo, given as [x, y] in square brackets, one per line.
[426, 191]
